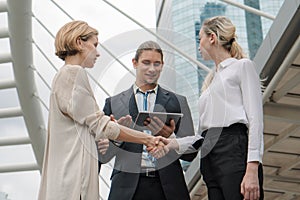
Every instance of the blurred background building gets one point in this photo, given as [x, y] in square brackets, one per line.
[3, 196]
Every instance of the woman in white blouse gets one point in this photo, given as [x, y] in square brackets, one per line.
[70, 168]
[231, 118]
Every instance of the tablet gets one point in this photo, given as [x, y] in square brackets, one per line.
[165, 117]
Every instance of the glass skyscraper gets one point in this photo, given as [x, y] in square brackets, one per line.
[176, 23]
[184, 15]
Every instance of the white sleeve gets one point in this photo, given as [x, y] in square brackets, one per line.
[189, 144]
[252, 100]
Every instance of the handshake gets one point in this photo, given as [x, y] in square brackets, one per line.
[159, 146]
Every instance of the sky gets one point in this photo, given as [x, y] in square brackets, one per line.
[115, 32]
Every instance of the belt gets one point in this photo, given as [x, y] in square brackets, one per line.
[232, 129]
[149, 172]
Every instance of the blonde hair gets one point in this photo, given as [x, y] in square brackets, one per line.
[223, 28]
[66, 37]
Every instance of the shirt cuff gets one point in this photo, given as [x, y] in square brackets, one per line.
[254, 156]
[112, 130]
[172, 136]
[181, 148]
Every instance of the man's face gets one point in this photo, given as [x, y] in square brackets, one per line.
[148, 68]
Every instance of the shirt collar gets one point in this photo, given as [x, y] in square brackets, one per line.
[227, 62]
[136, 88]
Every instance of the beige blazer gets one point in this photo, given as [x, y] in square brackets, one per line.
[75, 122]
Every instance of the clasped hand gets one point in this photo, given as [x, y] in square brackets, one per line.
[164, 145]
[156, 145]
[162, 132]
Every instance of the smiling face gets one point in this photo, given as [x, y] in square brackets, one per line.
[89, 51]
[148, 68]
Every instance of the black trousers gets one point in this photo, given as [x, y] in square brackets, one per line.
[224, 161]
[149, 188]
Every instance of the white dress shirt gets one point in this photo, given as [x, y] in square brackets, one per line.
[234, 96]
[147, 160]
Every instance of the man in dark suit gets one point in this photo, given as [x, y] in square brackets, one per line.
[136, 174]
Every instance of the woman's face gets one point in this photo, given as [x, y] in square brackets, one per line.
[89, 51]
[204, 45]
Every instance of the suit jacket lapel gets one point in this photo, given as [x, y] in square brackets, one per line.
[129, 103]
[133, 110]
[161, 100]
[128, 100]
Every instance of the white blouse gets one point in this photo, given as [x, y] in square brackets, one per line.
[234, 96]
[70, 167]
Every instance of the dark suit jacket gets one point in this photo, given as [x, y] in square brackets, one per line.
[125, 175]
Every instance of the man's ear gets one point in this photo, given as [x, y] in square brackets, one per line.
[134, 63]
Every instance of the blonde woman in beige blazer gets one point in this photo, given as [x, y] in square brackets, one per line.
[75, 122]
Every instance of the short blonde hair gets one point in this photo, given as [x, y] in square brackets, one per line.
[65, 40]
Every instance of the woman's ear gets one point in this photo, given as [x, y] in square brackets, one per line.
[79, 43]
[212, 38]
